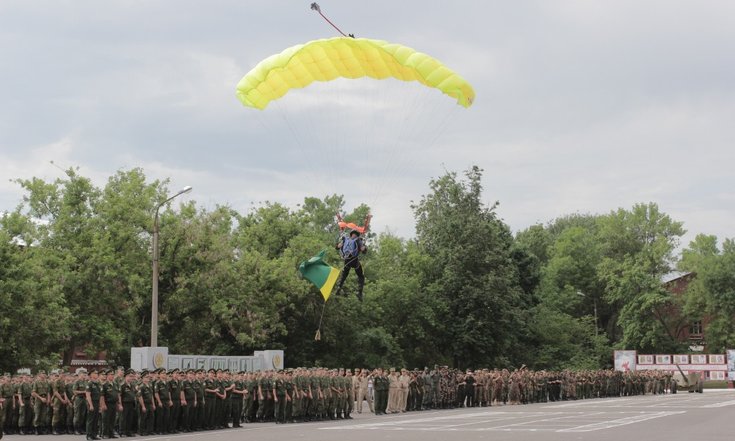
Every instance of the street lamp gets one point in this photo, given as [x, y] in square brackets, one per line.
[594, 300]
[154, 297]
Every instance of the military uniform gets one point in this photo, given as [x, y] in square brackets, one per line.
[163, 405]
[41, 391]
[128, 393]
[146, 406]
[210, 401]
[58, 403]
[25, 416]
[93, 393]
[236, 400]
[188, 410]
[111, 397]
[69, 390]
[7, 393]
[198, 423]
[80, 404]
[250, 399]
[174, 386]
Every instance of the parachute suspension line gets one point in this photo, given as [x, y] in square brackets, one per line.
[420, 118]
[303, 149]
[315, 7]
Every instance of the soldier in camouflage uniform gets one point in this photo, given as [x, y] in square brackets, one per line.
[5, 403]
[7, 394]
[58, 403]
[23, 396]
[41, 393]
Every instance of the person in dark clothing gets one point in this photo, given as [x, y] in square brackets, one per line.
[350, 248]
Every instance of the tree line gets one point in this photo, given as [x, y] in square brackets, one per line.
[75, 271]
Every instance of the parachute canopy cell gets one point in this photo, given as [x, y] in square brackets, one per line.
[344, 57]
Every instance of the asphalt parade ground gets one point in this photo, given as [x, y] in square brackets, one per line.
[708, 417]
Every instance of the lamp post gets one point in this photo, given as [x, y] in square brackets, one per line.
[154, 296]
[594, 300]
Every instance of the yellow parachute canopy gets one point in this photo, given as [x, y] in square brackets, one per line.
[328, 59]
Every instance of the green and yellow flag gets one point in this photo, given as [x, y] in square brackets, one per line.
[320, 274]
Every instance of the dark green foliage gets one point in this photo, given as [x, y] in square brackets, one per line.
[464, 292]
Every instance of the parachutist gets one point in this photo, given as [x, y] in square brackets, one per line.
[350, 249]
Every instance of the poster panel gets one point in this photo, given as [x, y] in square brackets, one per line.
[625, 360]
[731, 364]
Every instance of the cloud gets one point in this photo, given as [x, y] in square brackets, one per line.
[581, 106]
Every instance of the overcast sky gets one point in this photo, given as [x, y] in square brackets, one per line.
[581, 106]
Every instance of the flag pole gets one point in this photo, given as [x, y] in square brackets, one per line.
[318, 335]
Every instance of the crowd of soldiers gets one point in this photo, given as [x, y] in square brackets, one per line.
[117, 402]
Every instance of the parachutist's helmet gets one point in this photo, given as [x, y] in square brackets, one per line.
[355, 232]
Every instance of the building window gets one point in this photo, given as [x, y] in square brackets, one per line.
[695, 329]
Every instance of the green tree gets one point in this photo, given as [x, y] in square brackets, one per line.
[710, 296]
[638, 251]
[34, 317]
[472, 272]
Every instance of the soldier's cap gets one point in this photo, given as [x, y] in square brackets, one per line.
[81, 371]
[174, 371]
[41, 372]
[211, 371]
[144, 373]
[130, 372]
[6, 374]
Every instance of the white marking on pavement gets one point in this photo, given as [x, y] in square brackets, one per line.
[721, 404]
[619, 422]
[515, 421]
